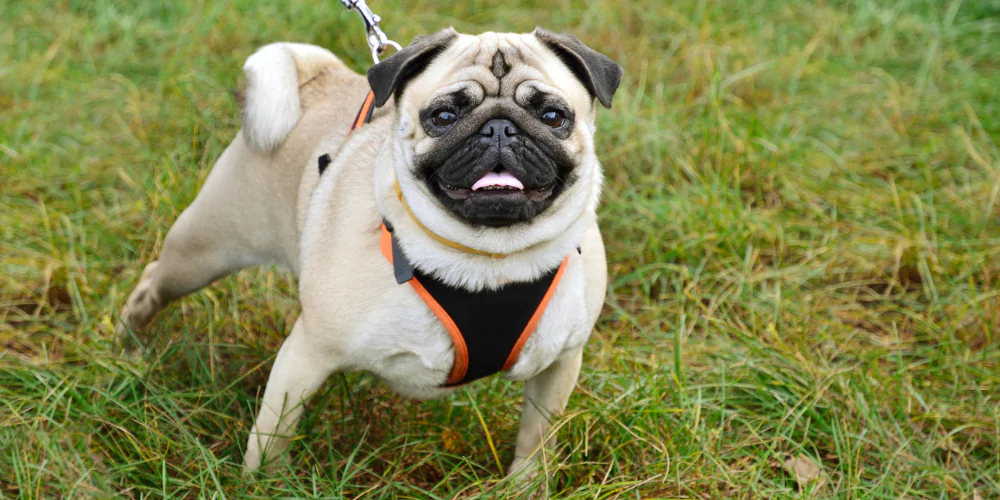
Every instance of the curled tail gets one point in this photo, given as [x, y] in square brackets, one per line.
[271, 103]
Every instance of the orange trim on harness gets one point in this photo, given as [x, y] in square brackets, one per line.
[461, 363]
[364, 114]
[535, 318]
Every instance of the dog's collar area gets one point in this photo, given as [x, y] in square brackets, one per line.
[438, 238]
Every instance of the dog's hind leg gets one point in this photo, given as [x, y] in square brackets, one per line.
[245, 214]
[241, 217]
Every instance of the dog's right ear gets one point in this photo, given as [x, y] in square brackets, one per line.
[392, 74]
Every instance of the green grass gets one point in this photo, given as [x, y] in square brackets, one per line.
[802, 224]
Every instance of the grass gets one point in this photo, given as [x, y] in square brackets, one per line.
[802, 224]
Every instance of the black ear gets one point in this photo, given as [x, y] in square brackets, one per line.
[597, 71]
[392, 74]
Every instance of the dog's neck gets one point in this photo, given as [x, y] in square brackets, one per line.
[527, 255]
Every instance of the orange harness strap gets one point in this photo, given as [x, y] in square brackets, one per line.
[365, 113]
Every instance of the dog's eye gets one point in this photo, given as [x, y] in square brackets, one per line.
[553, 118]
[443, 118]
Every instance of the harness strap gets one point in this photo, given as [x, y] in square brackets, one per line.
[365, 113]
[460, 371]
[535, 318]
[461, 364]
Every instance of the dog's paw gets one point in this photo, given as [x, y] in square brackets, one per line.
[257, 465]
[266, 453]
[126, 339]
[251, 461]
[527, 479]
[140, 307]
[128, 343]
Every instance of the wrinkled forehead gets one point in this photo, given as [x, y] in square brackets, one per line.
[498, 65]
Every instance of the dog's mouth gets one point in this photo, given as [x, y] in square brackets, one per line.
[497, 184]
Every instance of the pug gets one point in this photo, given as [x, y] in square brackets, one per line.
[452, 237]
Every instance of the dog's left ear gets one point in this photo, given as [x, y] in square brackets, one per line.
[392, 74]
[596, 71]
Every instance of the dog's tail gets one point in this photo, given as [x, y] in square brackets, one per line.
[270, 99]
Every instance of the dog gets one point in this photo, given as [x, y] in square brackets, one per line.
[476, 176]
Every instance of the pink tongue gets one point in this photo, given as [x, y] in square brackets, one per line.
[504, 178]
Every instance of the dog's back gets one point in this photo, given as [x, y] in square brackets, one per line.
[296, 96]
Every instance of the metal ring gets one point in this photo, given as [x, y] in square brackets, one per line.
[376, 50]
[377, 41]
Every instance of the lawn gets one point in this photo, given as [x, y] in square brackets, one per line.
[801, 213]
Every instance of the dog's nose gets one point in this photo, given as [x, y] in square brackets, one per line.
[501, 128]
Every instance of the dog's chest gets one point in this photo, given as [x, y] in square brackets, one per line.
[398, 338]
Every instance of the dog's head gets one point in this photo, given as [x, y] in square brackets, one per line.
[497, 129]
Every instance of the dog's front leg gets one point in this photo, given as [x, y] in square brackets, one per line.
[299, 369]
[545, 398]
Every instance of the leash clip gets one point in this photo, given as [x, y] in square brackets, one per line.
[376, 39]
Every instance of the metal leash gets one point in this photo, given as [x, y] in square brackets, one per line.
[377, 40]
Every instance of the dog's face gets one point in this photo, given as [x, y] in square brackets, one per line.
[497, 129]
